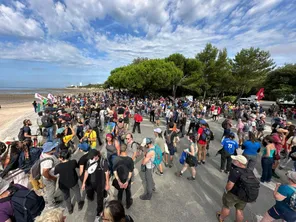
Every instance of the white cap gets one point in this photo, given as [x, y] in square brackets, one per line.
[240, 158]
[157, 130]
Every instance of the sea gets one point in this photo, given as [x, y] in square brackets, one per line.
[30, 90]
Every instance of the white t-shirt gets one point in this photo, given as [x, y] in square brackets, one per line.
[292, 141]
[48, 164]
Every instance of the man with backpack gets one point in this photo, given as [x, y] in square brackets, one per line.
[226, 125]
[242, 188]
[203, 134]
[93, 123]
[47, 123]
[285, 206]
[171, 137]
[18, 203]
[123, 166]
[152, 158]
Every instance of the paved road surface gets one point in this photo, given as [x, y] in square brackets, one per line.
[177, 199]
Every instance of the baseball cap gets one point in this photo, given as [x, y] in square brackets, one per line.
[49, 146]
[292, 175]
[157, 130]
[240, 158]
[202, 122]
[3, 185]
[146, 141]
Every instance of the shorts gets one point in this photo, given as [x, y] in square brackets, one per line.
[229, 200]
[172, 149]
[279, 214]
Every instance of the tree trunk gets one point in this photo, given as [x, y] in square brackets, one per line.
[205, 94]
[174, 91]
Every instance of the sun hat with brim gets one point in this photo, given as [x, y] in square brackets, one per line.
[157, 130]
[49, 146]
[292, 175]
[240, 158]
[3, 185]
[60, 130]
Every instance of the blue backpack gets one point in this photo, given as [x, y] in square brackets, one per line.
[183, 158]
[206, 134]
[158, 155]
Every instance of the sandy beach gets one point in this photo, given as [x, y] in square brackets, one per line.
[17, 107]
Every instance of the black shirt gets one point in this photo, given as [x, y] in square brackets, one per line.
[98, 178]
[27, 130]
[120, 111]
[123, 165]
[83, 162]
[234, 177]
[173, 135]
[68, 175]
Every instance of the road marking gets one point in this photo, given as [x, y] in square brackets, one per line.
[270, 185]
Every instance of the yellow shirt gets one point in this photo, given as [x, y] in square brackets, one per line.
[92, 136]
[66, 139]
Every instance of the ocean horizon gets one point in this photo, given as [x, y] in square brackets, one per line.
[29, 90]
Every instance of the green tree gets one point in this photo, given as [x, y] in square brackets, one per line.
[281, 82]
[139, 60]
[249, 69]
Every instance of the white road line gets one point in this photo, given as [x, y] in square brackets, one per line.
[270, 185]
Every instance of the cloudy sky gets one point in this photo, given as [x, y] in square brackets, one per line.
[54, 43]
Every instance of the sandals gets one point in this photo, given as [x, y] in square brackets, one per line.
[218, 214]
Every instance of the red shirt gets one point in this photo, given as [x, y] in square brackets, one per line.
[201, 142]
[138, 118]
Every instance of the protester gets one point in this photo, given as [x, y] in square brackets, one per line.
[267, 159]
[171, 139]
[68, 180]
[285, 196]
[191, 159]
[159, 141]
[202, 134]
[91, 136]
[123, 169]
[229, 147]
[251, 149]
[53, 215]
[97, 170]
[147, 167]
[114, 212]
[137, 124]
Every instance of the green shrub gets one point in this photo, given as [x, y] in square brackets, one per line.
[228, 99]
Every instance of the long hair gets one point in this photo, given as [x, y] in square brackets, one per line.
[159, 135]
[114, 211]
[252, 137]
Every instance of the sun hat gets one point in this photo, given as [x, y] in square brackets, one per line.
[146, 141]
[291, 175]
[240, 158]
[157, 130]
[3, 185]
[202, 122]
[49, 146]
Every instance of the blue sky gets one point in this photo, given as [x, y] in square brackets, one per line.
[52, 43]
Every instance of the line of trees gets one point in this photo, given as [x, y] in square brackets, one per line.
[210, 73]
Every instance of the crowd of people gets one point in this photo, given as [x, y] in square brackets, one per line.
[100, 127]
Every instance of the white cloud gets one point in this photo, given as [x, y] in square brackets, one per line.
[261, 5]
[13, 22]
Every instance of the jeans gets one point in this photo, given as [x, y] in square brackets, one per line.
[137, 125]
[225, 157]
[51, 194]
[67, 198]
[149, 182]
[127, 192]
[252, 159]
[266, 163]
[50, 134]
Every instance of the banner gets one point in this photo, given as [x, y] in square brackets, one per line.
[260, 94]
[51, 98]
[38, 96]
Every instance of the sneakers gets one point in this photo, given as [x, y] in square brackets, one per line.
[166, 164]
[159, 173]
[71, 209]
[145, 197]
[129, 204]
[218, 214]
[190, 178]
[178, 174]
[80, 205]
[203, 162]
[275, 175]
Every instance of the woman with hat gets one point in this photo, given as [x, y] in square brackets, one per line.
[285, 197]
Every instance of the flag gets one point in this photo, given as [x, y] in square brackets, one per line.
[51, 97]
[38, 96]
[260, 94]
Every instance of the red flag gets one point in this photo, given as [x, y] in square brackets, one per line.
[260, 94]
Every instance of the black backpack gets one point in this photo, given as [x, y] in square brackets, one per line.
[46, 121]
[26, 204]
[248, 186]
[21, 135]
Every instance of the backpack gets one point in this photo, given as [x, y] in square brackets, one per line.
[259, 125]
[292, 199]
[92, 122]
[46, 121]
[168, 137]
[206, 135]
[26, 204]
[21, 135]
[224, 124]
[36, 168]
[248, 187]
[139, 148]
[158, 155]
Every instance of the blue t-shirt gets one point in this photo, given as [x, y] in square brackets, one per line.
[251, 148]
[286, 191]
[229, 145]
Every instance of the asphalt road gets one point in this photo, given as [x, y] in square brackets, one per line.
[178, 199]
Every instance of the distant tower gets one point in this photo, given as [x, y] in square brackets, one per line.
[80, 84]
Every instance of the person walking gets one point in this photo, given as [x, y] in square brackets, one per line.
[285, 206]
[147, 166]
[68, 180]
[138, 119]
[202, 134]
[267, 159]
[251, 149]
[229, 147]
[191, 160]
[123, 169]
[159, 141]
